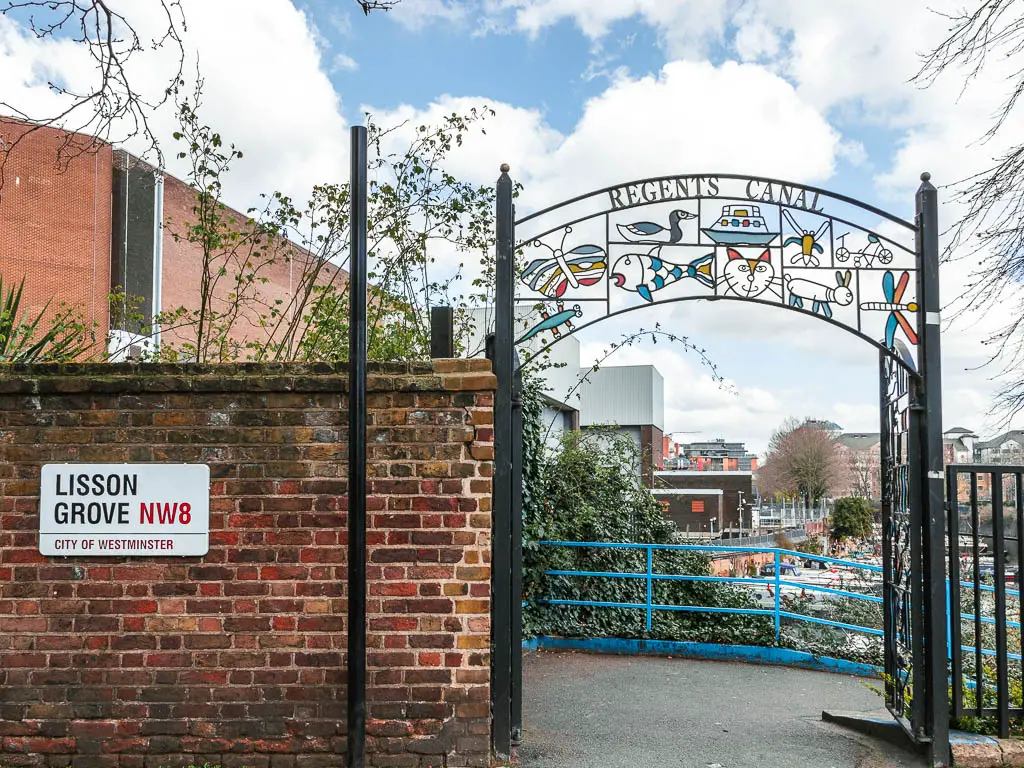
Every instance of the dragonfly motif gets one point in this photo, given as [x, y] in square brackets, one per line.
[582, 266]
[895, 306]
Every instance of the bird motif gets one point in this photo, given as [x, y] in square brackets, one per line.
[650, 232]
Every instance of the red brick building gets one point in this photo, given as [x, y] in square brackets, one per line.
[79, 227]
[55, 221]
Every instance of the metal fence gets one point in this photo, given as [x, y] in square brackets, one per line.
[981, 542]
[774, 583]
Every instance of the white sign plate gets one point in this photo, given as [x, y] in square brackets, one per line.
[124, 510]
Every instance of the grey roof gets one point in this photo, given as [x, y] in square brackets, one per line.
[821, 424]
[995, 442]
[859, 441]
[959, 431]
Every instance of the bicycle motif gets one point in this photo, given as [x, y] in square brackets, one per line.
[867, 256]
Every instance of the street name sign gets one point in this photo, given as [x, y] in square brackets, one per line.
[124, 510]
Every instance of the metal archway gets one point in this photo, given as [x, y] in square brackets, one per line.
[744, 238]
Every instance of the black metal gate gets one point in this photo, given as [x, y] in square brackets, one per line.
[704, 228]
[913, 518]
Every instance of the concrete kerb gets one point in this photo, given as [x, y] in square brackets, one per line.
[969, 750]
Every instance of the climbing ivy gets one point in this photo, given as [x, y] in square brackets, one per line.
[585, 489]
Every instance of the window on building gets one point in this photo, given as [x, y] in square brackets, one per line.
[697, 506]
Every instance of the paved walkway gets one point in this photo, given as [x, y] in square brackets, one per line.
[596, 711]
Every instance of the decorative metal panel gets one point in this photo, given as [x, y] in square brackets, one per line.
[713, 238]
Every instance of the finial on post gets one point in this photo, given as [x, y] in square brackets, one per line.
[926, 176]
[505, 168]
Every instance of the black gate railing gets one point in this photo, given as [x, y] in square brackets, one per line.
[986, 548]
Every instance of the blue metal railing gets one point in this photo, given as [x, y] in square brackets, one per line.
[649, 576]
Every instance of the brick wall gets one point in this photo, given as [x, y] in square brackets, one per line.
[238, 657]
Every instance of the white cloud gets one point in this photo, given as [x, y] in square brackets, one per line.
[286, 119]
[680, 121]
[344, 63]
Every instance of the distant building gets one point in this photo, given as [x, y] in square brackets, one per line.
[1007, 448]
[862, 454]
[711, 456]
[958, 446]
[705, 502]
[623, 399]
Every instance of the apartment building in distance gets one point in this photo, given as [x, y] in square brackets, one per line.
[709, 456]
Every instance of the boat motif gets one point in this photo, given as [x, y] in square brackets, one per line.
[740, 224]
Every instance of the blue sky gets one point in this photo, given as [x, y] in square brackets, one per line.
[596, 92]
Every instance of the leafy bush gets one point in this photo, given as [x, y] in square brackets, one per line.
[852, 518]
[36, 339]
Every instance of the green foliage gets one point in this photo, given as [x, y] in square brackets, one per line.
[415, 208]
[37, 339]
[810, 546]
[851, 518]
[585, 491]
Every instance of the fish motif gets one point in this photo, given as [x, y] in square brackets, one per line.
[645, 273]
[649, 232]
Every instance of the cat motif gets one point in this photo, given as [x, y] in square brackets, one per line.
[749, 278]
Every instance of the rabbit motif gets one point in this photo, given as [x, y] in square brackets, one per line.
[820, 296]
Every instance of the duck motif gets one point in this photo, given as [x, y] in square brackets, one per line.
[650, 232]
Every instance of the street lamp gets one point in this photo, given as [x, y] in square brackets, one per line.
[739, 515]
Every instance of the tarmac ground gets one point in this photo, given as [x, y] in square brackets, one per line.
[585, 710]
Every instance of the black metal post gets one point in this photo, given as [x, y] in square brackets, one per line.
[516, 639]
[930, 401]
[501, 539]
[998, 548]
[916, 480]
[442, 332]
[955, 655]
[357, 455]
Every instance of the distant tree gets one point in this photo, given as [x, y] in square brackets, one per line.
[991, 231]
[851, 518]
[860, 470]
[803, 461]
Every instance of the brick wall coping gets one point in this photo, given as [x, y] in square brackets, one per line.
[131, 378]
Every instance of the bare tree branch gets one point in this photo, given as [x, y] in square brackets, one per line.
[369, 6]
[991, 231]
[112, 107]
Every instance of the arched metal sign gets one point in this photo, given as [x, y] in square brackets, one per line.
[721, 237]
[717, 237]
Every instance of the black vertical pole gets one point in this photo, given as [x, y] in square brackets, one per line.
[442, 332]
[501, 538]
[357, 455]
[516, 599]
[934, 561]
